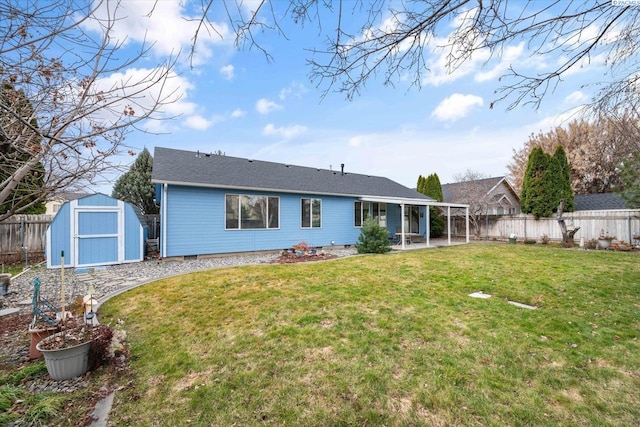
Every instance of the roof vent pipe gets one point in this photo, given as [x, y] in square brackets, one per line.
[342, 168]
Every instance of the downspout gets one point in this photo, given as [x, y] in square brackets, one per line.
[163, 221]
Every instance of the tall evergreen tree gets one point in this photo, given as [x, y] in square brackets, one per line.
[430, 186]
[135, 186]
[27, 197]
[433, 188]
[420, 184]
[630, 174]
[538, 195]
[565, 191]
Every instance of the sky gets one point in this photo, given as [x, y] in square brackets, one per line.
[238, 101]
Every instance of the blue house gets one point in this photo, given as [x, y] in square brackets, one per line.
[95, 230]
[215, 204]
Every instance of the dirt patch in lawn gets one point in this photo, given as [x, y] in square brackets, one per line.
[293, 258]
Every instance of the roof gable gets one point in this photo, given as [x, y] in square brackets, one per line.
[452, 191]
[207, 170]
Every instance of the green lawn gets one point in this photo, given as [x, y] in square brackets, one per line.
[389, 340]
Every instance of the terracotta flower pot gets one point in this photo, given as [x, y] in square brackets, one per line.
[37, 335]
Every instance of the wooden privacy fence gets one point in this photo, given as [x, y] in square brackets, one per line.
[621, 224]
[22, 237]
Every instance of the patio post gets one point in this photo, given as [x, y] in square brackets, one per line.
[428, 227]
[402, 222]
[467, 221]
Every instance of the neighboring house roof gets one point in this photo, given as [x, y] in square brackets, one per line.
[67, 196]
[486, 185]
[598, 202]
[190, 168]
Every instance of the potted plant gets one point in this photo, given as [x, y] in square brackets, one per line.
[66, 353]
[604, 240]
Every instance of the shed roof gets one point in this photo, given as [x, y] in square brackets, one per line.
[598, 202]
[180, 167]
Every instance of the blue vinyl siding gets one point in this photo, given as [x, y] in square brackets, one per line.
[133, 245]
[195, 223]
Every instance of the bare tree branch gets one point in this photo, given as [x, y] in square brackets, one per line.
[397, 40]
[68, 97]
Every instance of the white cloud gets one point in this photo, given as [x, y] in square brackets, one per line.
[197, 122]
[577, 97]
[558, 120]
[227, 72]
[136, 83]
[357, 140]
[166, 27]
[510, 55]
[286, 132]
[265, 106]
[456, 106]
[294, 89]
[237, 113]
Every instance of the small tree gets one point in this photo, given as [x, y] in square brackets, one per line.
[373, 239]
[135, 186]
[471, 191]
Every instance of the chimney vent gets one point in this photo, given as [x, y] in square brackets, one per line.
[342, 168]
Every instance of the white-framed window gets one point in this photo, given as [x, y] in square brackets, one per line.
[360, 213]
[365, 210]
[251, 212]
[379, 213]
[311, 213]
[412, 219]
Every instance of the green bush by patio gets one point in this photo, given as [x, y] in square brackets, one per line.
[390, 340]
[373, 239]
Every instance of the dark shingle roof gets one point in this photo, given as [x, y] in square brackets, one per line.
[199, 169]
[450, 190]
[598, 202]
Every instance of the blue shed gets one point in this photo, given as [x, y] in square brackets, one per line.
[96, 230]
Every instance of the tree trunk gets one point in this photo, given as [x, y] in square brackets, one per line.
[567, 235]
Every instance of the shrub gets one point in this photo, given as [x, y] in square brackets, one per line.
[529, 242]
[99, 354]
[373, 239]
[591, 244]
[544, 239]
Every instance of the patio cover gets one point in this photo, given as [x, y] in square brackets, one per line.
[422, 202]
